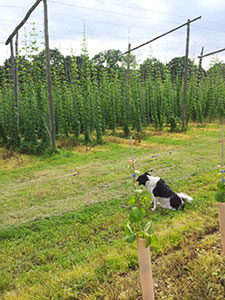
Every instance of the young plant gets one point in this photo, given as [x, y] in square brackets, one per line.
[137, 226]
[220, 194]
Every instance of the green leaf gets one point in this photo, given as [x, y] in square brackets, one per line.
[136, 215]
[132, 200]
[129, 183]
[220, 185]
[154, 238]
[148, 241]
[149, 227]
[130, 239]
[128, 230]
[220, 197]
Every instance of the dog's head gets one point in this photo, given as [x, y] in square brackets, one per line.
[143, 178]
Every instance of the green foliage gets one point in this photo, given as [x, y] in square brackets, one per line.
[220, 194]
[93, 95]
[137, 224]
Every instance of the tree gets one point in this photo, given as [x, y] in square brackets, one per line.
[217, 67]
[176, 68]
[152, 66]
[110, 59]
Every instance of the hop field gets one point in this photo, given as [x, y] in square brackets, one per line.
[92, 96]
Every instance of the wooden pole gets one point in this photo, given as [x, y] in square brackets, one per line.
[200, 67]
[211, 53]
[23, 21]
[49, 79]
[126, 127]
[184, 111]
[168, 32]
[17, 83]
[13, 71]
[14, 106]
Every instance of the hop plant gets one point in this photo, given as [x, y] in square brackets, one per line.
[136, 225]
[220, 194]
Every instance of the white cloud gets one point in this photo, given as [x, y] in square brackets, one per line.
[212, 4]
[110, 23]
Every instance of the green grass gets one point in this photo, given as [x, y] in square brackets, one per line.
[61, 221]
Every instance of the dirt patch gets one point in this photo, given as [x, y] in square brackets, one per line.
[195, 271]
[10, 159]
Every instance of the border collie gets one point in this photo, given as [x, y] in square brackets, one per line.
[162, 194]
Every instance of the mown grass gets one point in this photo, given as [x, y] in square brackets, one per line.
[61, 230]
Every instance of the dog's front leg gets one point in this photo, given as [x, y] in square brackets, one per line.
[154, 201]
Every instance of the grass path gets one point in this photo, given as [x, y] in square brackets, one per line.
[61, 230]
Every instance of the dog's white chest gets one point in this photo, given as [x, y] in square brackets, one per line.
[151, 183]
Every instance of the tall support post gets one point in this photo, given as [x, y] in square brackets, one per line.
[184, 111]
[49, 79]
[200, 67]
[126, 100]
[13, 70]
[198, 114]
[17, 82]
[15, 95]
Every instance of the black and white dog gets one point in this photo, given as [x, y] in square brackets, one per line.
[162, 194]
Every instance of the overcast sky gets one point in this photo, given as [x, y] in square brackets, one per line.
[110, 24]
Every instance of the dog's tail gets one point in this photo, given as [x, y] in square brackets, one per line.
[185, 197]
